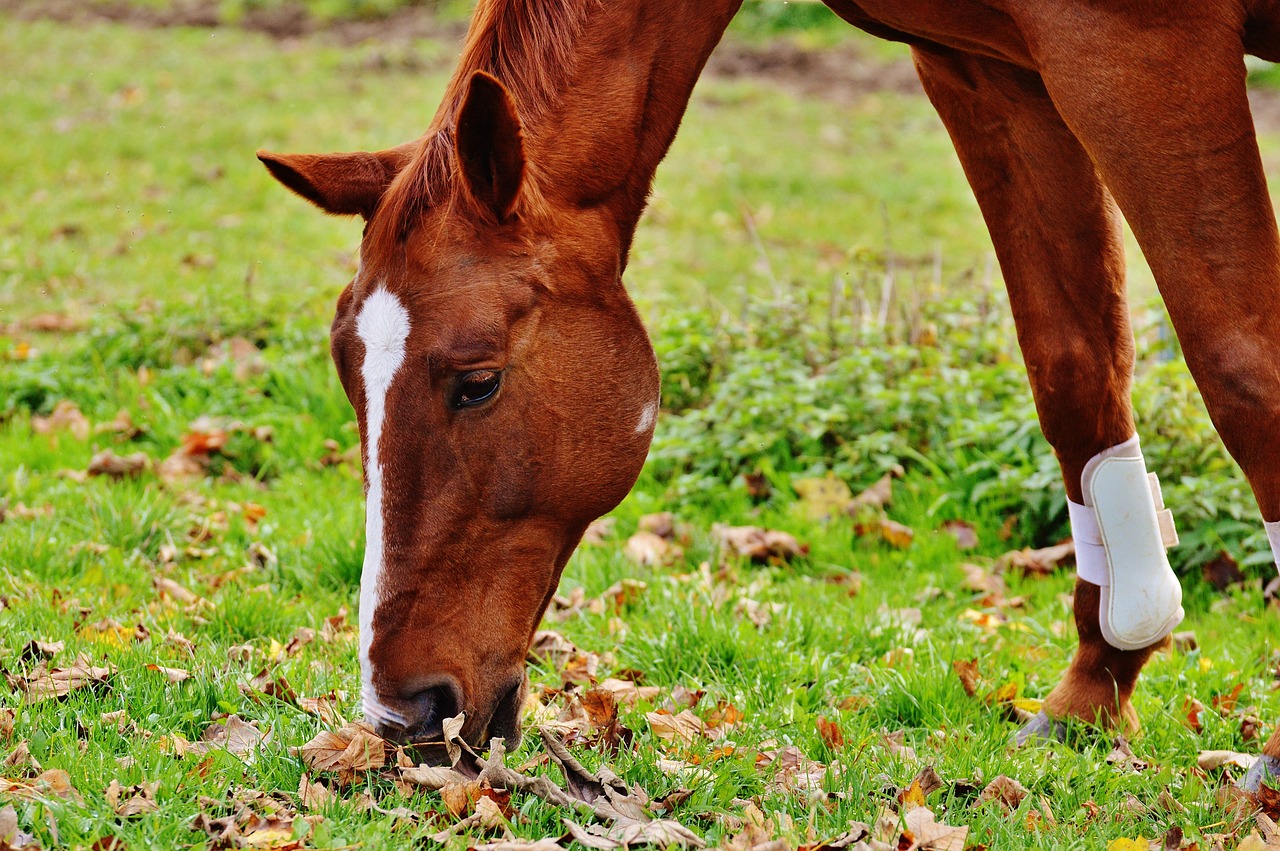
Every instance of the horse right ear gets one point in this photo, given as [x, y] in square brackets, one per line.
[342, 184]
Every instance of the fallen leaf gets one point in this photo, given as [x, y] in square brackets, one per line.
[964, 533]
[66, 416]
[1005, 791]
[174, 675]
[662, 524]
[354, 748]
[879, 495]
[649, 550]
[759, 545]
[1210, 760]
[930, 835]
[968, 674]
[1040, 562]
[131, 801]
[831, 733]
[823, 498]
[1222, 572]
[49, 684]
[1193, 712]
[107, 463]
[234, 735]
[685, 727]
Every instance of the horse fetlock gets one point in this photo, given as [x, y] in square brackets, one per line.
[1121, 532]
[1093, 697]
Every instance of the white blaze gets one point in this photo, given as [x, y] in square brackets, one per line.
[383, 327]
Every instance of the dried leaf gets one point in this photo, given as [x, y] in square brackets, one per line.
[932, 836]
[353, 748]
[1040, 562]
[824, 497]
[831, 733]
[964, 533]
[759, 545]
[174, 675]
[66, 416]
[107, 463]
[685, 727]
[1210, 760]
[133, 800]
[649, 550]
[1005, 791]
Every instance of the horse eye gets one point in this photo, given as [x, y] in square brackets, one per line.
[474, 388]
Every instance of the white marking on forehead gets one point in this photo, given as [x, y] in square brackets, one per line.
[647, 418]
[383, 327]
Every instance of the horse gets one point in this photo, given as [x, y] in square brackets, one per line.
[506, 390]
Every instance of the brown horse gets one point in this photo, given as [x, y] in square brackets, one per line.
[506, 390]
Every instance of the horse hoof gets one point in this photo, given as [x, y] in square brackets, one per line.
[1041, 728]
[1263, 770]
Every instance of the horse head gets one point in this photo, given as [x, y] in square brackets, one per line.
[505, 391]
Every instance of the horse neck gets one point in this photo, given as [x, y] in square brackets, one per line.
[598, 124]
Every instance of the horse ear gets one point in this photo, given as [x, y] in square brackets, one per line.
[342, 184]
[490, 145]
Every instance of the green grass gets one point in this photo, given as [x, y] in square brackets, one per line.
[133, 201]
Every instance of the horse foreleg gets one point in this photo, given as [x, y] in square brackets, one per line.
[1057, 235]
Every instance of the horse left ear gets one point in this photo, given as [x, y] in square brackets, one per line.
[490, 145]
[342, 184]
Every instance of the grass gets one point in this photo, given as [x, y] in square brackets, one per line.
[135, 204]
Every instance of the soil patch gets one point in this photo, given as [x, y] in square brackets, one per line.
[841, 73]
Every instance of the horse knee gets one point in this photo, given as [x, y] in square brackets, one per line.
[1239, 377]
[1081, 391]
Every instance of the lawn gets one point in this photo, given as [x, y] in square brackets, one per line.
[194, 593]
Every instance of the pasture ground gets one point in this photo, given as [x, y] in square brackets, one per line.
[149, 266]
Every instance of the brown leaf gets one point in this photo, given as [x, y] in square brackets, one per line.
[131, 801]
[1193, 711]
[353, 748]
[929, 835]
[174, 675]
[895, 534]
[1122, 756]
[662, 524]
[759, 545]
[107, 463]
[1005, 791]
[49, 684]
[1222, 572]
[878, 495]
[831, 733]
[649, 550]
[964, 533]
[685, 728]
[1038, 562]
[968, 674]
[234, 736]
[1211, 760]
[65, 417]
[1225, 704]
[36, 649]
[629, 693]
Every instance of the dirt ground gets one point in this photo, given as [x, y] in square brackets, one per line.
[841, 74]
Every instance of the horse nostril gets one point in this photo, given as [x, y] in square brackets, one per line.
[430, 708]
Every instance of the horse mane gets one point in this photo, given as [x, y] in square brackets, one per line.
[530, 46]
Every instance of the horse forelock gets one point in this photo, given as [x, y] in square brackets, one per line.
[530, 46]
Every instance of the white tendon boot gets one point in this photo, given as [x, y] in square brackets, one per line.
[1121, 533]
